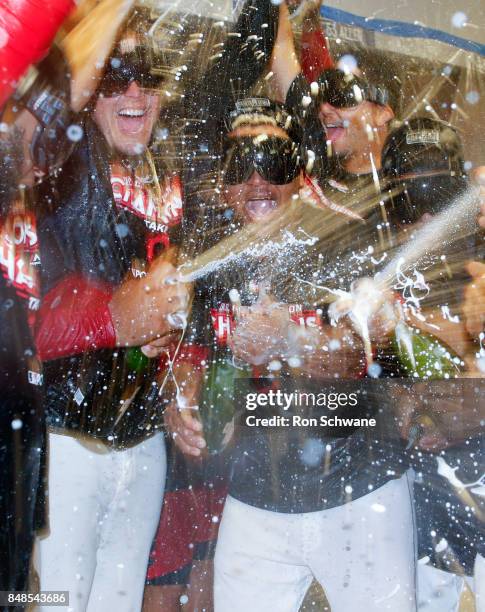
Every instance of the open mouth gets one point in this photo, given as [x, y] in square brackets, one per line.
[258, 208]
[334, 130]
[131, 120]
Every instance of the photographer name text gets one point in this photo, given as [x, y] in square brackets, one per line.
[285, 402]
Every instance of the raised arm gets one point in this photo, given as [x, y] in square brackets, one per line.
[284, 61]
[315, 54]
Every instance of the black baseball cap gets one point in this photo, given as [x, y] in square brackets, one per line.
[276, 158]
[423, 146]
[423, 163]
[262, 111]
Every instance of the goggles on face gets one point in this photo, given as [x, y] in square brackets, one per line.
[123, 70]
[346, 90]
[275, 159]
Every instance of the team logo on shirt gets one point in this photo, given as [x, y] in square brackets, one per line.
[304, 317]
[19, 254]
[224, 322]
[137, 196]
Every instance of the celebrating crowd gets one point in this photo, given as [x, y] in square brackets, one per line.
[301, 236]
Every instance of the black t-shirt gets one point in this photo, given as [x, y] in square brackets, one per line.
[20, 375]
[293, 473]
[22, 425]
[20, 369]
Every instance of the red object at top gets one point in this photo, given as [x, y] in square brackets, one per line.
[315, 55]
[27, 29]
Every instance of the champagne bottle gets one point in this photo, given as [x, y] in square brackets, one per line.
[136, 360]
[424, 356]
[217, 404]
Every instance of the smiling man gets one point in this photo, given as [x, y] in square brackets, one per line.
[128, 104]
[109, 217]
[262, 173]
[357, 102]
[127, 119]
[255, 314]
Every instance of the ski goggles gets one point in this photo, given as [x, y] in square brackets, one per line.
[123, 70]
[347, 90]
[275, 159]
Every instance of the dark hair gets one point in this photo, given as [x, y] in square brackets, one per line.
[379, 70]
[148, 50]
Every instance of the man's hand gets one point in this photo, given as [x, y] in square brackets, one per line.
[383, 323]
[147, 308]
[261, 333]
[433, 418]
[418, 428]
[368, 302]
[474, 302]
[186, 429]
[326, 351]
[156, 347]
[383, 315]
[304, 10]
[182, 416]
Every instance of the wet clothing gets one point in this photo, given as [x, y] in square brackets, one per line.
[104, 507]
[267, 473]
[96, 232]
[103, 218]
[22, 430]
[450, 524]
[363, 551]
[104, 222]
[439, 590]
[449, 533]
[269, 470]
